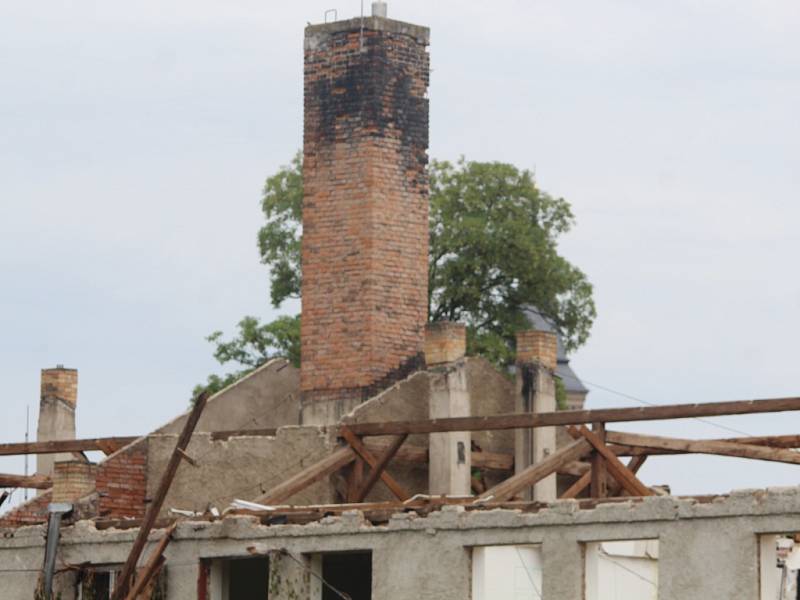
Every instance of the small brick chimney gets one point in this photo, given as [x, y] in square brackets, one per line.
[73, 479]
[58, 399]
[365, 211]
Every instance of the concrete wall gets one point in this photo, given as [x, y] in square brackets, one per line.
[241, 467]
[707, 550]
[268, 397]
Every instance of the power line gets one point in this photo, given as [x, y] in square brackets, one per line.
[646, 403]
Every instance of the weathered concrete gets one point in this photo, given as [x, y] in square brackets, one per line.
[706, 550]
[535, 392]
[268, 397]
[241, 467]
[449, 462]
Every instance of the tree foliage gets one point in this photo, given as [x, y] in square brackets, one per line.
[493, 250]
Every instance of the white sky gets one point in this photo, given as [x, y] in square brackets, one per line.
[135, 138]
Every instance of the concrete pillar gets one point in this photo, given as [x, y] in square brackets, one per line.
[58, 399]
[536, 392]
[449, 463]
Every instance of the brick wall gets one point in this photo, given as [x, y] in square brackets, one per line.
[122, 482]
[72, 479]
[365, 209]
[33, 512]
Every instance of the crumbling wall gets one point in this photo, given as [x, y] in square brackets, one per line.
[707, 550]
[268, 397]
[240, 467]
[121, 482]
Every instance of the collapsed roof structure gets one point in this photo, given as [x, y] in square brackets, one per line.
[390, 465]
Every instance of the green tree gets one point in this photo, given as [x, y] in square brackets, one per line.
[493, 250]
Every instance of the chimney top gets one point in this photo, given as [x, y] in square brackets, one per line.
[379, 9]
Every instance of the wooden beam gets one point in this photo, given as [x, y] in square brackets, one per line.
[378, 469]
[154, 564]
[617, 470]
[66, 446]
[633, 465]
[330, 464]
[185, 456]
[3, 497]
[124, 579]
[705, 447]
[33, 482]
[537, 472]
[357, 445]
[597, 475]
[577, 417]
[493, 461]
[355, 479]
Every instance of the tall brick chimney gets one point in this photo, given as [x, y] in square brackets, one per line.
[365, 210]
[58, 399]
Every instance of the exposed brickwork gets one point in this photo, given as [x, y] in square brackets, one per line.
[73, 479]
[60, 383]
[537, 346]
[122, 482]
[365, 210]
[445, 342]
[33, 512]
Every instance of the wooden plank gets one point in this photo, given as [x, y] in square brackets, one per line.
[154, 564]
[355, 479]
[34, 482]
[633, 465]
[577, 417]
[3, 497]
[493, 461]
[357, 445]
[185, 456]
[597, 475]
[537, 472]
[124, 579]
[378, 469]
[705, 447]
[330, 464]
[66, 446]
[617, 470]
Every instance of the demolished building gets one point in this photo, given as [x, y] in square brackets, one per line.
[390, 465]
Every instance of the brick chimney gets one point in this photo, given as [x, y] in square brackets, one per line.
[58, 399]
[365, 211]
[73, 479]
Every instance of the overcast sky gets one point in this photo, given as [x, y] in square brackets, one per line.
[135, 138]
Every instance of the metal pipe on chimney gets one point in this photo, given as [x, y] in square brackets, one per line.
[380, 9]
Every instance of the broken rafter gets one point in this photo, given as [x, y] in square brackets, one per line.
[34, 482]
[617, 470]
[577, 417]
[537, 472]
[722, 448]
[378, 469]
[328, 465]
[357, 445]
[108, 445]
[613, 488]
[495, 461]
[123, 582]
[154, 564]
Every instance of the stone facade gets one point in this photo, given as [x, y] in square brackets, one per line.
[365, 210]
